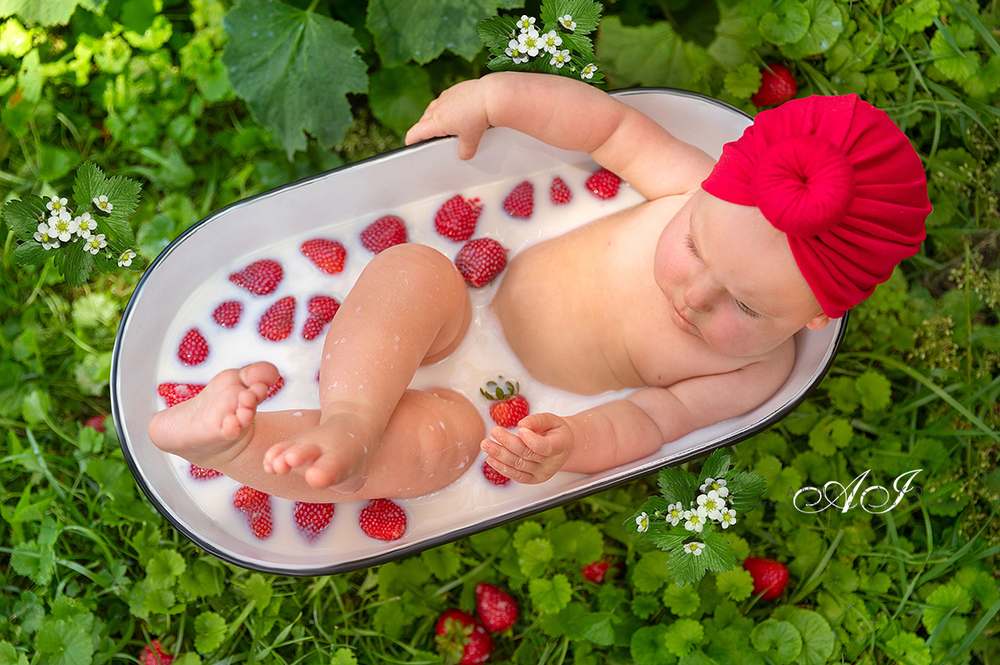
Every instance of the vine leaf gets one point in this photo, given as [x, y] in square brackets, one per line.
[294, 69]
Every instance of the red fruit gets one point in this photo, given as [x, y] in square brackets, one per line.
[457, 218]
[595, 572]
[201, 473]
[776, 87]
[96, 422]
[480, 261]
[259, 278]
[175, 393]
[460, 640]
[383, 520]
[383, 233]
[193, 349]
[603, 184]
[154, 655]
[256, 505]
[321, 311]
[312, 518]
[559, 192]
[508, 412]
[520, 203]
[273, 389]
[328, 255]
[496, 609]
[228, 313]
[278, 320]
[769, 576]
[494, 476]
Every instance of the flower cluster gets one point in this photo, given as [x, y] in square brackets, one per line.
[63, 227]
[709, 506]
[529, 43]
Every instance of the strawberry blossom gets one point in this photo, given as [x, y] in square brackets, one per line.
[588, 71]
[62, 226]
[559, 58]
[694, 548]
[567, 22]
[103, 204]
[551, 41]
[94, 244]
[56, 205]
[44, 237]
[125, 260]
[642, 523]
[85, 224]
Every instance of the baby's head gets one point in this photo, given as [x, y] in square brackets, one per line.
[841, 181]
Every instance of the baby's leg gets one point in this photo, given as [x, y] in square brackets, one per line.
[410, 306]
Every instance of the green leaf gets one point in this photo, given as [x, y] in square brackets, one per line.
[10, 656]
[787, 23]
[578, 541]
[745, 488]
[534, 557]
[597, 627]
[24, 216]
[826, 23]
[818, 639]
[163, 568]
[736, 584]
[916, 15]
[652, 55]
[280, 60]
[444, 562]
[526, 531]
[681, 600]
[743, 82]
[64, 643]
[420, 30]
[682, 636]
[829, 435]
[875, 391]
[34, 560]
[645, 605]
[550, 596]
[737, 32]
[778, 641]
[210, 631]
[716, 466]
[259, 592]
[677, 485]
[942, 601]
[648, 646]
[650, 572]
[586, 14]
[399, 95]
[343, 656]
[957, 64]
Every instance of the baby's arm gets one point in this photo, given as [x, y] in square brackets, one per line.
[571, 115]
[625, 430]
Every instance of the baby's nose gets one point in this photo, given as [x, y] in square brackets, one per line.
[701, 293]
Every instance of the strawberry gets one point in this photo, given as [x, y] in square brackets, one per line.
[559, 192]
[494, 476]
[328, 255]
[175, 393]
[383, 520]
[228, 313]
[507, 407]
[777, 86]
[277, 322]
[153, 655]
[520, 203]
[461, 640]
[256, 505]
[496, 609]
[595, 572]
[769, 576]
[201, 473]
[312, 518]
[96, 422]
[259, 278]
[383, 233]
[321, 311]
[603, 184]
[457, 218]
[480, 261]
[273, 389]
[193, 348]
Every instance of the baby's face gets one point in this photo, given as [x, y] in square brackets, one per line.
[731, 279]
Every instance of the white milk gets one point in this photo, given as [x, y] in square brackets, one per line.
[482, 355]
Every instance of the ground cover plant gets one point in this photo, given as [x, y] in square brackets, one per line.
[177, 96]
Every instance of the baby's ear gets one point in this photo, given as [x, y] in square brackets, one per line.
[818, 322]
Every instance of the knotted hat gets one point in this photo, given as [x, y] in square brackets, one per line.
[840, 179]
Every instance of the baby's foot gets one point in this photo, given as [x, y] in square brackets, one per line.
[218, 417]
[331, 455]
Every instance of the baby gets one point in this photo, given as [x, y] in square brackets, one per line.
[691, 298]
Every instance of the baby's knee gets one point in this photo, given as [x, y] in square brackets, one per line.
[415, 262]
[447, 427]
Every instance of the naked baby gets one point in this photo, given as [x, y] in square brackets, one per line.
[690, 298]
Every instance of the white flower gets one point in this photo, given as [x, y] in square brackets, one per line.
[567, 22]
[94, 244]
[588, 71]
[696, 519]
[62, 227]
[728, 517]
[43, 236]
[712, 504]
[125, 260]
[514, 51]
[559, 58]
[551, 41]
[694, 548]
[56, 204]
[85, 224]
[719, 485]
[529, 42]
[526, 22]
[675, 513]
[642, 523]
[103, 204]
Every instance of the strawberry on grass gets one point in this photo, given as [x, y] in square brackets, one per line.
[596, 572]
[507, 406]
[777, 86]
[495, 608]
[152, 654]
[461, 640]
[480, 261]
[769, 576]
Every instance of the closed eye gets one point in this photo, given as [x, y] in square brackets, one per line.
[691, 247]
[746, 310]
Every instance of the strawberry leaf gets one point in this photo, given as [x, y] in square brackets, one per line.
[23, 217]
[550, 596]
[586, 14]
[282, 60]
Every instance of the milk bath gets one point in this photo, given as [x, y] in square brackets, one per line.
[482, 355]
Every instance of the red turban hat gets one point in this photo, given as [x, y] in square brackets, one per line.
[843, 183]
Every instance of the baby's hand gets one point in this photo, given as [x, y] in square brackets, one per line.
[539, 449]
[459, 111]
